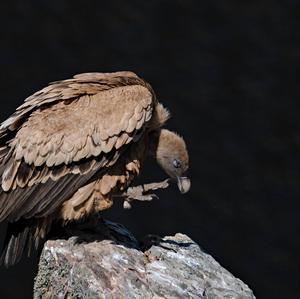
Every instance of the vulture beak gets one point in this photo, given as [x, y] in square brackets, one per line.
[184, 184]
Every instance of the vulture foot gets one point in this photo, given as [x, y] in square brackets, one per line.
[142, 192]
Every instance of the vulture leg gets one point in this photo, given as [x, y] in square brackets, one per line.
[155, 186]
[142, 192]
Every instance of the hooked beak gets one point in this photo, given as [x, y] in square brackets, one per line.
[184, 184]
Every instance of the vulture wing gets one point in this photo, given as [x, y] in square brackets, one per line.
[64, 135]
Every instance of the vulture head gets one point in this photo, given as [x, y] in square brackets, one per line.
[172, 156]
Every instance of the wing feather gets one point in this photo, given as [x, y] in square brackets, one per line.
[68, 90]
[64, 135]
[76, 131]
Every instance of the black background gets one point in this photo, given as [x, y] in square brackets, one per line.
[227, 72]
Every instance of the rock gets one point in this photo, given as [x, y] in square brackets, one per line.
[106, 261]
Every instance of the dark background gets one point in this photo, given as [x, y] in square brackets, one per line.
[227, 72]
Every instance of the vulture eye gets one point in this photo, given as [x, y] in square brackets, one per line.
[176, 163]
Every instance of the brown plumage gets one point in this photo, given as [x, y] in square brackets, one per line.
[74, 145]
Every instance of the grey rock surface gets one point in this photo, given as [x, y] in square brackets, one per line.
[107, 262]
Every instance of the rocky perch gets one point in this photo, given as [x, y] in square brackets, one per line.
[106, 261]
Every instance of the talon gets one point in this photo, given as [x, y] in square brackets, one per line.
[126, 205]
[153, 196]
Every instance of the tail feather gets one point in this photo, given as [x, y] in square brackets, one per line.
[22, 236]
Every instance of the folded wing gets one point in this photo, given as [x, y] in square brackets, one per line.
[66, 134]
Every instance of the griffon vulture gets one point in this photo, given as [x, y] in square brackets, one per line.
[75, 145]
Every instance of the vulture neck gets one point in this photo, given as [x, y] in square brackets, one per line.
[157, 143]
